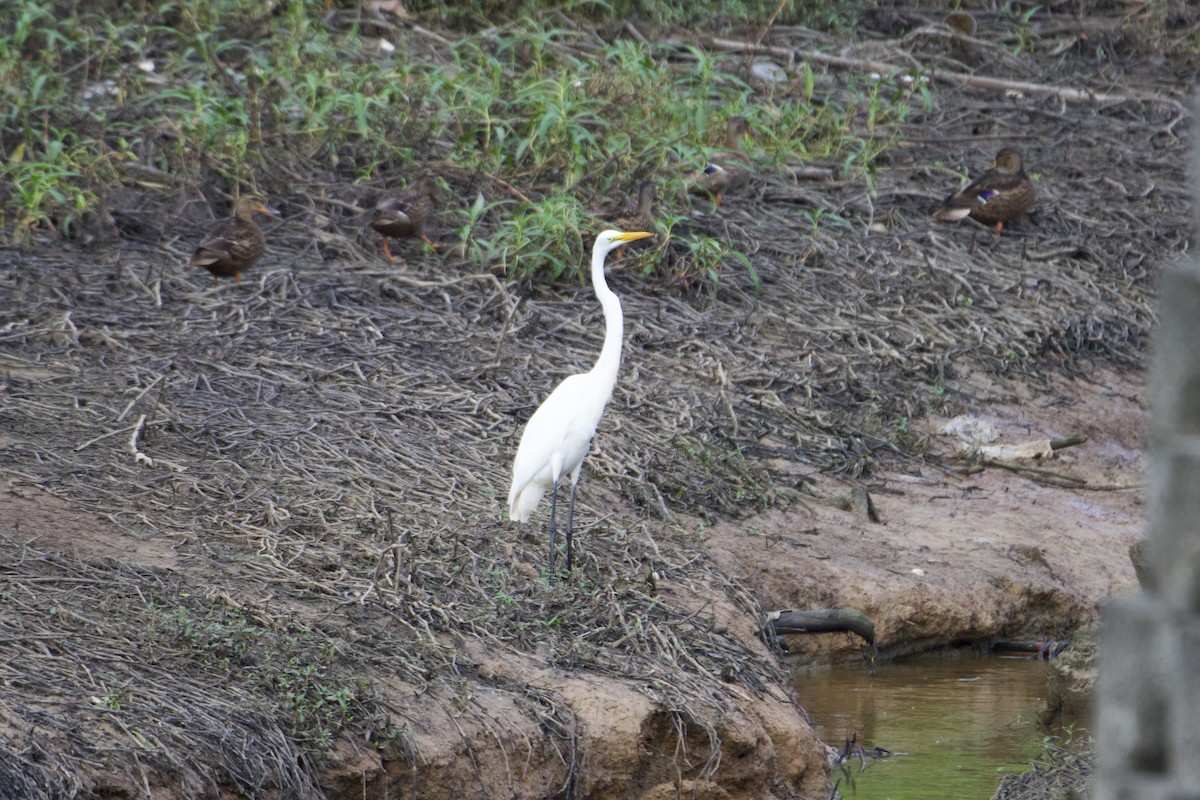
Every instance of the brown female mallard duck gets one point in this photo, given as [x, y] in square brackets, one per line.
[404, 213]
[729, 169]
[235, 244]
[637, 218]
[996, 198]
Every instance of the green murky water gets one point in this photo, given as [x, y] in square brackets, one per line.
[956, 725]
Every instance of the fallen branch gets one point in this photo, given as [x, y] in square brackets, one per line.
[853, 748]
[860, 501]
[811, 173]
[514, 191]
[947, 76]
[1045, 473]
[1037, 449]
[994, 53]
[1067, 441]
[1109, 487]
[1069, 251]
[830, 620]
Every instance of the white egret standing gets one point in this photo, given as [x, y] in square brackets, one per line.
[558, 435]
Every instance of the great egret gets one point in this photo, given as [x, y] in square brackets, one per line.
[996, 198]
[234, 244]
[558, 435]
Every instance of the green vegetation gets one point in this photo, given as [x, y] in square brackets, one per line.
[298, 666]
[292, 99]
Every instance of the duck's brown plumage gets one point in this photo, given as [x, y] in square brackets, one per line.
[996, 197]
[235, 244]
[404, 213]
[639, 217]
[726, 170]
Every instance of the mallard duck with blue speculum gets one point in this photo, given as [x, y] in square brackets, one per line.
[1003, 194]
[726, 170]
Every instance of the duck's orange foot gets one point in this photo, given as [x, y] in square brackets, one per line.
[387, 253]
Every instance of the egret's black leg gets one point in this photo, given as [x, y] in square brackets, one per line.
[553, 529]
[570, 527]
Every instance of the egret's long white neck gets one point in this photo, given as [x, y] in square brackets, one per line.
[614, 322]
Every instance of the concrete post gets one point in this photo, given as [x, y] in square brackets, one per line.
[1148, 709]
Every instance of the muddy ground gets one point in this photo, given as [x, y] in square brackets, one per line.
[252, 537]
[968, 558]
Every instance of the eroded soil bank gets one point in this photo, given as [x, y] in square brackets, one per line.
[967, 558]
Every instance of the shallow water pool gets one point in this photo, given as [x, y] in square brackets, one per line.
[956, 725]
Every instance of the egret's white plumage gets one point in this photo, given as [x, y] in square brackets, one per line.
[558, 435]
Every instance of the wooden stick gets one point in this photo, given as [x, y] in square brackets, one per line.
[811, 173]
[957, 78]
[517, 193]
[138, 456]
[1070, 251]
[762, 34]
[1046, 473]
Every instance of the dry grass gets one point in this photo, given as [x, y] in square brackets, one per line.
[1059, 773]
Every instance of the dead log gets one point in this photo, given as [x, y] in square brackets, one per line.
[1047, 648]
[829, 620]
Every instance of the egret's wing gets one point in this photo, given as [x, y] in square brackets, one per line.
[555, 441]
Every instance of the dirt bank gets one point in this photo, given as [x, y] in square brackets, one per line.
[967, 558]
